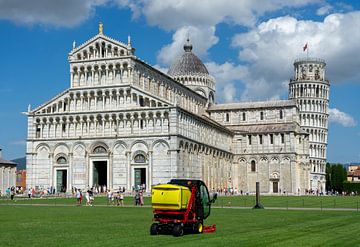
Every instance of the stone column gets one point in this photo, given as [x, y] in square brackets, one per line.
[51, 172]
[128, 158]
[149, 181]
[2, 180]
[111, 173]
[70, 173]
[103, 126]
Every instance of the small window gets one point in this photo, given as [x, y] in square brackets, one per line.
[141, 124]
[282, 138]
[63, 128]
[299, 140]
[271, 139]
[249, 138]
[281, 114]
[141, 102]
[37, 132]
[253, 166]
[261, 115]
[244, 116]
[227, 117]
[260, 139]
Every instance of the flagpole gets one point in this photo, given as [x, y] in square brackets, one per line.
[307, 51]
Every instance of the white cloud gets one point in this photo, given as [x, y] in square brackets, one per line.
[271, 47]
[227, 75]
[162, 69]
[337, 116]
[324, 10]
[65, 13]
[201, 39]
[170, 15]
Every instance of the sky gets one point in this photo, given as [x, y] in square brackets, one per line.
[249, 46]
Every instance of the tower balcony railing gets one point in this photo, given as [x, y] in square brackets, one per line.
[309, 59]
[309, 78]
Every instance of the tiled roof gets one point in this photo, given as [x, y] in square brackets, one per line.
[267, 128]
[188, 64]
[253, 105]
[6, 162]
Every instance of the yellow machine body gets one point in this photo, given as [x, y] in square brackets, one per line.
[170, 197]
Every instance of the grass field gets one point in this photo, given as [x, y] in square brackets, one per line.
[350, 202]
[114, 226]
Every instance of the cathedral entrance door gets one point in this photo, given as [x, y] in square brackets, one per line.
[275, 187]
[140, 177]
[100, 173]
[61, 180]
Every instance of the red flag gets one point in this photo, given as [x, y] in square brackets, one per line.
[305, 47]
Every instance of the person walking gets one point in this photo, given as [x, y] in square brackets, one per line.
[141, 194]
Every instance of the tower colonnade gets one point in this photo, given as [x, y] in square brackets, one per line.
[310, 89]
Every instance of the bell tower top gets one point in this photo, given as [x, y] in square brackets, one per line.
[310, 69]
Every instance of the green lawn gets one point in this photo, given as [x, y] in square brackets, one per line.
[352, 202]
[113, 226]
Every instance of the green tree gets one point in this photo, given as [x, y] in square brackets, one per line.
[335, 177]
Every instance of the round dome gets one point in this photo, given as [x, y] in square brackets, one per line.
[187, 64]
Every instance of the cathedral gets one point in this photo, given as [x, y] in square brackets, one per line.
[124, 123]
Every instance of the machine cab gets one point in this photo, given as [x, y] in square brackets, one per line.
[203, 200]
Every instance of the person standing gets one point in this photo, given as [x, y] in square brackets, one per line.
[121, 198]
[12, 193]
[109, 197]
[29, 193]
[87, 197]
[78, 195]
[141, 198]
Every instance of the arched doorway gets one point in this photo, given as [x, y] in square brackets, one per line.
[139, 166]
[99, 169]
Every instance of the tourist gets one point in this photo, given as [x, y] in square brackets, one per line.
[78, 195]
[12, 193]
[141, 194]
[121, 198]
[137, 198]
[87, 197]
[109, 196]
[29, 193]
[81, 197]
[91, 196]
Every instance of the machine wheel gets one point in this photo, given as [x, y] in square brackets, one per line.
[198, 227]
[154, 229]
[178, 231]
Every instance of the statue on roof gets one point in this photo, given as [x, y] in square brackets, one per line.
[100, 28]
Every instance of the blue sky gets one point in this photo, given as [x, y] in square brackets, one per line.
[248, 46]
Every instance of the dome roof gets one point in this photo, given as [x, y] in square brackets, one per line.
[187, 64]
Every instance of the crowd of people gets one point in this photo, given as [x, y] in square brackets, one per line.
[115, 198]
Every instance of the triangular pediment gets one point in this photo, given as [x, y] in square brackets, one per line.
[66, 101]
[100, 46]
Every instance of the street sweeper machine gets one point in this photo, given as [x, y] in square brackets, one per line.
[181, 206]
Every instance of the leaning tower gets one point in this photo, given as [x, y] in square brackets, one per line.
[310, 90]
